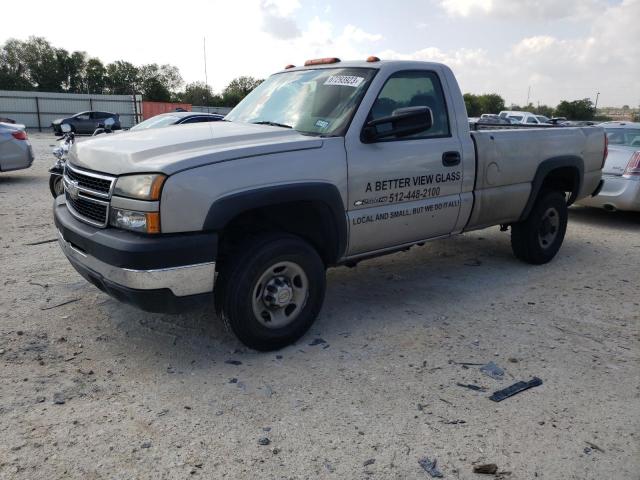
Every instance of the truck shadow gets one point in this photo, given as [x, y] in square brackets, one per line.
[598, 217]
[440, 282]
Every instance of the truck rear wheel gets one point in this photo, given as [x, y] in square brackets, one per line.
[271, 291]
[537, 239]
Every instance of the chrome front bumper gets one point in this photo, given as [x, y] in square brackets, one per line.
[182, 281]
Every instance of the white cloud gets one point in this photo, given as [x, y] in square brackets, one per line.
[466, 7]
[524, 9]
[605, 60]
[282, 8]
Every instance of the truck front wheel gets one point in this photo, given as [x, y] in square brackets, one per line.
[537, 239]
[271, 291]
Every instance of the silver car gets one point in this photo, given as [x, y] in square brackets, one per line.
[621, 172]
[15, 149]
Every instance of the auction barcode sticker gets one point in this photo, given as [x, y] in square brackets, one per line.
[344, 80]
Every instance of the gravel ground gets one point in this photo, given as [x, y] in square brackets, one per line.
[95, 389]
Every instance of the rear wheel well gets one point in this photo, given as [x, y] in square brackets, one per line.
[563, 179]
[310, 220]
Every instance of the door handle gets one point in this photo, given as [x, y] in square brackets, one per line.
[450, 159]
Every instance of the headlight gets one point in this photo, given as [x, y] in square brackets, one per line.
[142, 187]
[143, 222]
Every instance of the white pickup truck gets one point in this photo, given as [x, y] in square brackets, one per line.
[321, 165]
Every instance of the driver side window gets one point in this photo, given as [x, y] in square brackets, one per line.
[414, 89]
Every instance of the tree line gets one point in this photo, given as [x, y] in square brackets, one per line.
[583, 109]
[36, 65]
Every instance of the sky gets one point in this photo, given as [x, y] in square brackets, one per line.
[549, 50]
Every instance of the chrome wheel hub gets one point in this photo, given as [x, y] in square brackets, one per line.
[280, 294]
[549, 227]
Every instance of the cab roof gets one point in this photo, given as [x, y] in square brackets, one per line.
[377, 65]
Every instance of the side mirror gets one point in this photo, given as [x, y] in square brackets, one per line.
[401, 123]
[65, 127]
[109, 123]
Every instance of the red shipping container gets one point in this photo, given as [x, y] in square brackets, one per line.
[151, 109]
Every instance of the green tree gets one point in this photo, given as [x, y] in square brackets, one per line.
[199, 93]
[545, 110]
[122, 78]
[159, 82]
[95, 76]
[472, 103]
[576, 110]
[42, 64]
[485, 103]
[14, 74]
[237, 89]
[72, 70]
[491, 103]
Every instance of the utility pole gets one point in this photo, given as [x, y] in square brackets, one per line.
[596, 106]
[528, 94]
[204, 51]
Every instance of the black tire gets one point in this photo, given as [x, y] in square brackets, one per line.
[55, 185]
[537, 239]
[238, 290]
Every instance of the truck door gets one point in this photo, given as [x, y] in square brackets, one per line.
[406, 189]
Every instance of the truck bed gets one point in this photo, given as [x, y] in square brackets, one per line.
[507, 161]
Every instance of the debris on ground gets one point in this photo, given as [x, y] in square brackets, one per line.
[430, 466]
[49, 307]
[264, 441]
[317, 341]
[515, 388]
[41, 242]
[471, 386]
[488, 469]
[233, 362]
[58, 398]
[371, 461]
[595, 447]
[492, 370]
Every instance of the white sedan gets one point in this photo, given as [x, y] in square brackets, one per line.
[621, 172]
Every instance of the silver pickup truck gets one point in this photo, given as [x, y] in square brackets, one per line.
[321, 165]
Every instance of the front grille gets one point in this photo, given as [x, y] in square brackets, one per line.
[87, 208]
[87, 195]
[92, 182]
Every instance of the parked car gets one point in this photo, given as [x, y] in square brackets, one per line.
[621, 172]
[493, 119]
[526, 118]
[176, 118]
[319, 166]
[7, 120]
[15, 148]
[86, 122]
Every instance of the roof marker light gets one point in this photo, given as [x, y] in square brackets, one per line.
[372, 59]
[289, 66]
[321, 61]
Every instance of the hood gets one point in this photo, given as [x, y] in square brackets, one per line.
[57, 121]
[172, 149]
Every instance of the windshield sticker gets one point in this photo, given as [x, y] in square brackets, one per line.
[322, 123]
[344, 80]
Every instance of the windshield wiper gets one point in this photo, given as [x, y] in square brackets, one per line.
[273, 124]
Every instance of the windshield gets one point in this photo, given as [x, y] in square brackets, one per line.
[542, 118]
[156, 122]
[317, 102]
[629, 137]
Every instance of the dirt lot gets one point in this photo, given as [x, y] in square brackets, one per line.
[94, 389]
